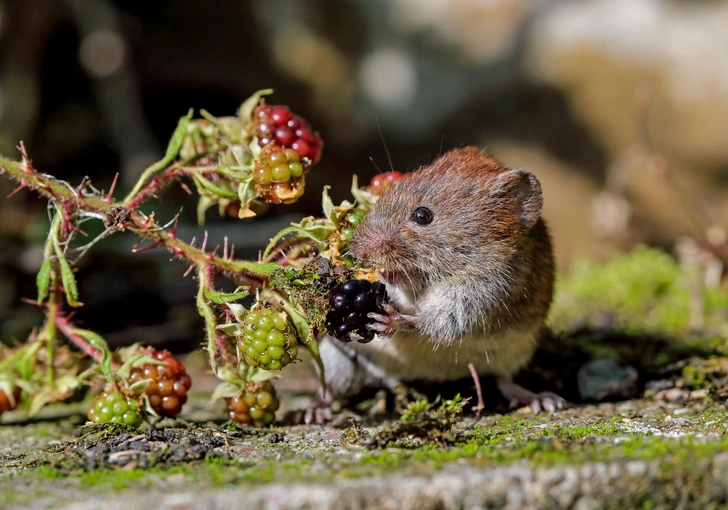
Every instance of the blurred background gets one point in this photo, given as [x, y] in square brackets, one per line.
[620, 107]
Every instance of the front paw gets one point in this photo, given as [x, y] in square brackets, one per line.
[386, 325]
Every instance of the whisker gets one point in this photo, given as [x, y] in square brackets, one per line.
[391, 166]
[375, 164]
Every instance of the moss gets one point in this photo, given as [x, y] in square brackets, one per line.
[644, 290]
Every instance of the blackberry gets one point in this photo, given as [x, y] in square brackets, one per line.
[9, 400]
[278, 125]
[278, 174]
[255, 405]
[113, 407]
[382, 182]
[268, 339]
[351, 303]
[167, 390]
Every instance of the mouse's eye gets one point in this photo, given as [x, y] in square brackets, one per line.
[422, 216]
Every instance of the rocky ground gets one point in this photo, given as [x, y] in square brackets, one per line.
[646, 427]
[645, 453]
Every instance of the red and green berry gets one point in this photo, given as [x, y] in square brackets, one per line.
[168, 386]
[254, 406]
[268, 340]
[279, 174]
[351, 303]
[113, 407]
[278, 125]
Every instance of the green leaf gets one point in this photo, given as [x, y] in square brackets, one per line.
[327, 203]
[231, 329]
[224, 390]
[203, 185]
[301, 233]
[64, 386]
[202, 206]
[175, 143]
[222, 298]
[242, 155]
[238, 310]
[246, 193]
[68, 279]
[98, 342]
[246, 109]
[26, 364]
[43, 279]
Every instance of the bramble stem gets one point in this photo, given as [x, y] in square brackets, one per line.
[208, 314]
[75, 201]
[81, 343]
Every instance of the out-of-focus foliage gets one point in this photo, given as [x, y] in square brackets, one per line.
[643, 290]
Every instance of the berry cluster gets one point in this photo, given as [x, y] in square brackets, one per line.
[112, 407]
[382, 182]
[167, 390]
[255, 405]
[8, 402]
[278, 174]
[268, 340]
[276, 124]
[351, 303]
[352, 220]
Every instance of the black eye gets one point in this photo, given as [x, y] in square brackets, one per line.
[422, 216]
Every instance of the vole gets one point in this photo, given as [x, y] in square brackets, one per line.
[469, 269]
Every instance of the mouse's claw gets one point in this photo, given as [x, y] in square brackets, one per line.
[519, 396]
[386, 325]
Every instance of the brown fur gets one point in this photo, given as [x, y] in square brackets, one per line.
[477, 281]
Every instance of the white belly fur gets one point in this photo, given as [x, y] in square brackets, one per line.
[409, 356]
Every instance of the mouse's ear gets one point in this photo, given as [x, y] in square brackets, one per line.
[522, 187]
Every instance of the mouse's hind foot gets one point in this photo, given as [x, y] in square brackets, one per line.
[520, 396]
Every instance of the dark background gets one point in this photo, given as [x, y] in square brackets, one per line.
[618, 107]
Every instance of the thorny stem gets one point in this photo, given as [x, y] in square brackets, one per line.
[245, 271]
[208, 314]
[83, 344]
[156, 176]
[48, 332]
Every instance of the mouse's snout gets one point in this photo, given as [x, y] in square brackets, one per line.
[373, 244]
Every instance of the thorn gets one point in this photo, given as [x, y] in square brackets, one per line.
[225, 248]
[109, 197]
[185, 188]
[173, 232]
[33, 302]
[204, 243]
[192, 243]
[213, 254]
[23, 185]
[150, 221]
[146, 248]
[27, 163]
[232, 252]
[189, 270]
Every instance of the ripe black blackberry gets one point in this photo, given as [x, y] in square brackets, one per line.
[351, 303]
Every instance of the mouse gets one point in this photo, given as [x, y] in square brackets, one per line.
[468, 265]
